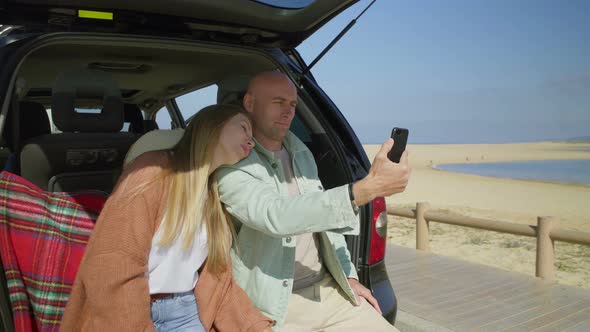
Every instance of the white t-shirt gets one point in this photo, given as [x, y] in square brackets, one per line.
[308, 261]
[172, 269]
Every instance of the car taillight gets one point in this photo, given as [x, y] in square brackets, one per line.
[378, 231]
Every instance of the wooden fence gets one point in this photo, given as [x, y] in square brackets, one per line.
[546, 231]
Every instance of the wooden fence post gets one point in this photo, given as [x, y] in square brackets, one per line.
[422, 242]
[545, 265]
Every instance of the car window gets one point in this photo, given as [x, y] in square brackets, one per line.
[163, 118]
[53, 128]
[97, 111]
[319, 145]
[301, 130]
[190, 103]
[87, 110]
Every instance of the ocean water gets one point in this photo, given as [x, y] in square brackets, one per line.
[561, 171]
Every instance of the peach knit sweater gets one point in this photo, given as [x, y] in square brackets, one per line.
[111, 290]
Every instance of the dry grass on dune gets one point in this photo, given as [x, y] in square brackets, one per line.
[505, 251]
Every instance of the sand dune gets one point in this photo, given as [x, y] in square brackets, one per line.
[494, 198]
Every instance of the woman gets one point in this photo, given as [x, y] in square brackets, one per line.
[163, 231]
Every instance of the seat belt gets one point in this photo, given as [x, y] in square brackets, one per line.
[16, 132]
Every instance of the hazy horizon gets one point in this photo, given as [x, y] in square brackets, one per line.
[567, 140]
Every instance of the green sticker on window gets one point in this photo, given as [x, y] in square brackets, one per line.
[95, 15]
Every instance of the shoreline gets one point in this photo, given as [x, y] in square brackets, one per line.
[495, 198]
[434, 168]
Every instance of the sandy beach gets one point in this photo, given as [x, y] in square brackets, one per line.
[508, 200]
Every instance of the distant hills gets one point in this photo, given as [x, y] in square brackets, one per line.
[579, 139]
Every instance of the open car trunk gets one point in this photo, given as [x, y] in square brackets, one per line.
[282, 24]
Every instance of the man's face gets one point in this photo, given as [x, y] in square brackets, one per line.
[273, 108]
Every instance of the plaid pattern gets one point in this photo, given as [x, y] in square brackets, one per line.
[42, 240]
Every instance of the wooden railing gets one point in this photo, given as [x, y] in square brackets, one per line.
[546, 231]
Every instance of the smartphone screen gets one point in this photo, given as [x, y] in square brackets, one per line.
[400, 138]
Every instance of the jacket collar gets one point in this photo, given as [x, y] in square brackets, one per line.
[291, 143]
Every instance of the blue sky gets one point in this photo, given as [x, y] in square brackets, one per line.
[460, 71]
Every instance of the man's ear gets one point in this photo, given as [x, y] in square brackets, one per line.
[248, 102]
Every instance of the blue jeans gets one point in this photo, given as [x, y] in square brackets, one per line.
[177, 313]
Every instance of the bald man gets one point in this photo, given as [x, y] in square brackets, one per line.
[291, 256]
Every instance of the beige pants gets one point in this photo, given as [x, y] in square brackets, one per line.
[325, 307]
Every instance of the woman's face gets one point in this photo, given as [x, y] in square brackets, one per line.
[235, 140]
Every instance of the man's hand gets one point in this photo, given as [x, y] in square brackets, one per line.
[362, 291]
[385, 177]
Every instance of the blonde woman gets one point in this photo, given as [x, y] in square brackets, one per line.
[158, 259]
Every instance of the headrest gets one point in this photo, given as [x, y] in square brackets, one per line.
[134, 118]
[33, 122]
[231, 90]
[86, 84]
[149, 125]
[152, 141]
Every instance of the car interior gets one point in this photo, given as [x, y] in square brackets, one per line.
[85, 107]
[91, 88]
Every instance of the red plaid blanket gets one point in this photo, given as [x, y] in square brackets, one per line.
[42, 240]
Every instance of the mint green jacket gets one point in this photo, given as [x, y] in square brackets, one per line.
[267, 220]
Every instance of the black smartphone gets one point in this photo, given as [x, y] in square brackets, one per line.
[400, 138]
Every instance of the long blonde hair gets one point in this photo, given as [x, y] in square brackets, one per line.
[190, 185]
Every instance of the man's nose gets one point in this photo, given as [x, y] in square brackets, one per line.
[288, 111]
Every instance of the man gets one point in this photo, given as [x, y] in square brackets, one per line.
[291, 256]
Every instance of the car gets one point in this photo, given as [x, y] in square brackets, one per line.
[70, 60]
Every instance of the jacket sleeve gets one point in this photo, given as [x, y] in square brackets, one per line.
[115, 265]
[343, 255]
[256, 204]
